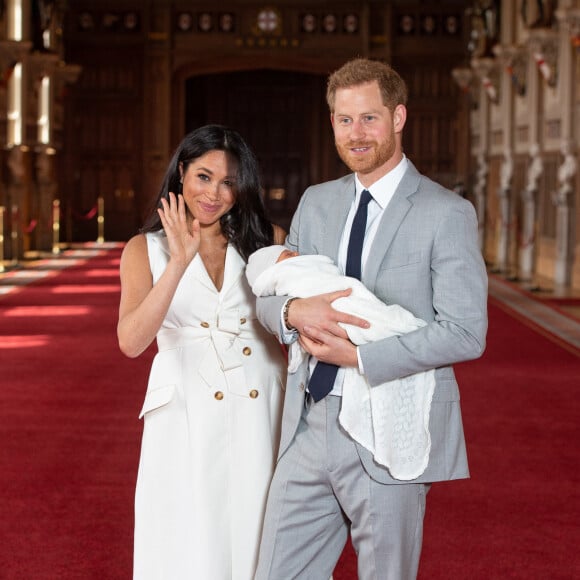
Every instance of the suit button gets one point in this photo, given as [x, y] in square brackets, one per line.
[301, 387]
[242, 321]
[247, 351]
[205, 324]
[219, 395]
[254, 394]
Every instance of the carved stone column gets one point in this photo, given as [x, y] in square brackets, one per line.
[36, 205]
[46, 189]
[463, 77]
[13, 179]
[569, 22]
[11, 52]
[486, 72]
[564, 216]
[38, 65]
[480, 196]
[16, 188]
[527, 243]
[543, 48]
[509, 59]
[505, 212]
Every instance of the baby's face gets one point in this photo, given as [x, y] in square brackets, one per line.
[285, 255]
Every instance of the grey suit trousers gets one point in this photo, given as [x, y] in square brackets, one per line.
[319, 488]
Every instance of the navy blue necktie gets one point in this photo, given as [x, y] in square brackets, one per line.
[324, 374]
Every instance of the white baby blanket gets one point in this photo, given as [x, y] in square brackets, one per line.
[391, 420]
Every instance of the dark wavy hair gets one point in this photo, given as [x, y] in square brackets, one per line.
[245, 225]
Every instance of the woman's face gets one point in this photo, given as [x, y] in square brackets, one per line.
[209, 186]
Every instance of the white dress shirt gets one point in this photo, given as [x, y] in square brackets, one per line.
[382, 192]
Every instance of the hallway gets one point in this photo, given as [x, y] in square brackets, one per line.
[68, 422]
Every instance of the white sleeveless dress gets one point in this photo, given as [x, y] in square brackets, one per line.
[212, 417]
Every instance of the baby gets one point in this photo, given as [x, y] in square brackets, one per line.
[391, 419]
[278, 271]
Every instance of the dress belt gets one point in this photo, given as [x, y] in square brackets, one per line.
[224, 335]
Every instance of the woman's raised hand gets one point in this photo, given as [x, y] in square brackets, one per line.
[183, 242]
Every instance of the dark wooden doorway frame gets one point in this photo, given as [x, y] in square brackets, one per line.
[225, 64]
[319, 162]
[279, 113]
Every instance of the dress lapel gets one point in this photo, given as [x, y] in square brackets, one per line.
[197, 270]
[234, 268]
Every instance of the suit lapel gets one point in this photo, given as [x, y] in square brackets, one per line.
[335, 219]
[391, 220]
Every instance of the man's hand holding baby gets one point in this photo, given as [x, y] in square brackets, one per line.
[320, 333]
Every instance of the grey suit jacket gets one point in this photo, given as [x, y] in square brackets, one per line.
[425, 257]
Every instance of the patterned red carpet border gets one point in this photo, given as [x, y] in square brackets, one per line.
[543, 315]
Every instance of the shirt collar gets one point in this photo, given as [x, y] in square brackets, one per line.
[384, 188]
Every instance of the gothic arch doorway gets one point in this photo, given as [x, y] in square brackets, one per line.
[283, 116]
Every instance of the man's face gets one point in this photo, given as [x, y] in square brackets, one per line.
[366, 134]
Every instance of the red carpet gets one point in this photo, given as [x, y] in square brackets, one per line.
[517, 517]
[70, 442]
[68, 425]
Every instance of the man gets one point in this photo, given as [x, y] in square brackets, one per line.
[419, 250]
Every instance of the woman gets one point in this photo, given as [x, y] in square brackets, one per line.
[213, 403]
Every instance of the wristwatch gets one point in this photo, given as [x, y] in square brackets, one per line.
[285, 315]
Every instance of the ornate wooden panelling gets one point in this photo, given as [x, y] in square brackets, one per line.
[153, 71]
[106, 157]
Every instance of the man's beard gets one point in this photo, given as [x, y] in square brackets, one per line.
[370, 161]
